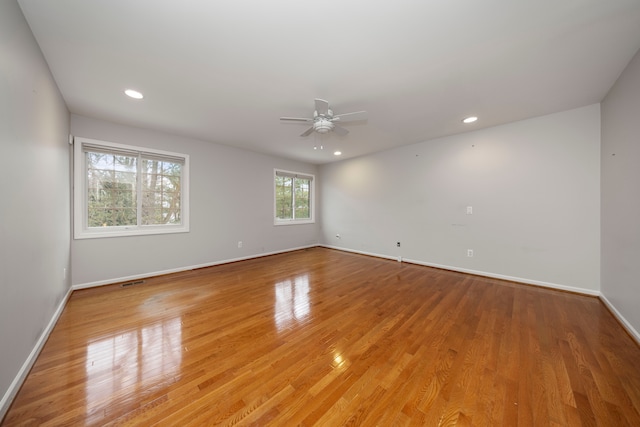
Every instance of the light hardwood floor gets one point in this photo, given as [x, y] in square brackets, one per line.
[322, 337]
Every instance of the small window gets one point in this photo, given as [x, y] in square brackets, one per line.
[122, 190]
[293, 198]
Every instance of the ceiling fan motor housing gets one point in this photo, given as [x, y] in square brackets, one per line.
[322, 122]
[322, 125]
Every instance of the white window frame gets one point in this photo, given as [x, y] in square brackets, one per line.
[80, 210]
[312, 198]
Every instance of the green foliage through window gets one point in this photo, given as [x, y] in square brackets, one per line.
[293, 196]
[131, 190]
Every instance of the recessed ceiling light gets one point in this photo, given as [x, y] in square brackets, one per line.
[470, 119]
[337, 153]
[133, 94]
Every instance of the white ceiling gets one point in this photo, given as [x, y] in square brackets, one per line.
[225, 71]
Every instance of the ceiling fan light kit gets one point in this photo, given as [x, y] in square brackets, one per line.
[323, 126]
[324, 121]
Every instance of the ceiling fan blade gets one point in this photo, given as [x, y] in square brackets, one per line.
[350, 117]
[296, 119]
[322, 107]
[307, 132]
[340, 130]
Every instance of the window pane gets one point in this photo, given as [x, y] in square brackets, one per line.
[284, 197]
[111, 195]
[302, 198]
[161, 192]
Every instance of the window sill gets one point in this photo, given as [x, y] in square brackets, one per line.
[124, 232]
[294, 222]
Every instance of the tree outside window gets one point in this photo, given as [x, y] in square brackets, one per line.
[293, 195]
[121, 190]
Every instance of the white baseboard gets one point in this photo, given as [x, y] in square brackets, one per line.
[630, 329]
[556, 286]
[181, 269]
[13, 389]
[354, 251]
[549, 285]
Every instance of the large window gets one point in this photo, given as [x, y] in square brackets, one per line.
[122, 190]
[293, 198]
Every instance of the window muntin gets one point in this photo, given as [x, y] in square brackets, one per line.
[293, 198]
[123, 190]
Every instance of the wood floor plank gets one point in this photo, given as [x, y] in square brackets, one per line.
[323, 337]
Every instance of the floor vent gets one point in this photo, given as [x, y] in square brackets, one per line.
[126, 285]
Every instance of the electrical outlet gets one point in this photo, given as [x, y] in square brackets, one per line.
[470, 253]
[398, 244]
[469, 210]
[239, 244]
[64, 273]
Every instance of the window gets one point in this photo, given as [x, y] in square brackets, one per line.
[120, 190]
[293, 198]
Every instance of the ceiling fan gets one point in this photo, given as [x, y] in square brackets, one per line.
[324, 121]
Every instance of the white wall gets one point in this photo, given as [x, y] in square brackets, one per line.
[34, 199]
[231, 200]
[621, 195]
[533, 186]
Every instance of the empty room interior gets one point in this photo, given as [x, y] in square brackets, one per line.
[300, 213]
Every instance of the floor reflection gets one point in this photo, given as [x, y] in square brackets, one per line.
[292, 301]
[128, 364]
